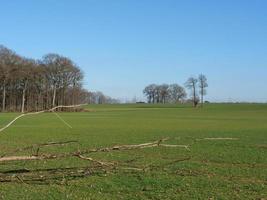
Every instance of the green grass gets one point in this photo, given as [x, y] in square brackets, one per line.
[217, 169]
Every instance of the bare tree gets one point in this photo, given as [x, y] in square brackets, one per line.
[149, 93]
[176, 93]
[191, 84]
[25, 76]
[164, 93]
[61, 72]
[203, 84]
[8, 60]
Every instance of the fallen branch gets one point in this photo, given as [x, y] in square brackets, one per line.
[217, 139]
[42, 176]
[35, 113]
[175, 146]
[96, 161]
[80, 154]
[20, 158]
[38, 146]
[61, 106]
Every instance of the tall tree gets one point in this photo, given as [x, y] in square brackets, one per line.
[191, 84]
[148, 93]
[164, 93]
[176, 93]
[8, 60]
[203, 84]
[25, 76]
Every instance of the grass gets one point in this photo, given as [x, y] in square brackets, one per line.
[216, 170]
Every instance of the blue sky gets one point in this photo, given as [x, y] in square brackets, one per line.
[123, 45]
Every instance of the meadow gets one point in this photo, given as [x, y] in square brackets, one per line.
[209, 169]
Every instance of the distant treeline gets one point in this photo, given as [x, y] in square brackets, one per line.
[176, 93]
[100, 98]
[31, 85]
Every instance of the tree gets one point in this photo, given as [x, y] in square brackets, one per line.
[61, 73]
[25, 76]
[191, 84]
[8, 60]
[176, 93]
[203, 84]
[150, 93]
[163, 91]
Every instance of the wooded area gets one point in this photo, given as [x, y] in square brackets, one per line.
[33, 85]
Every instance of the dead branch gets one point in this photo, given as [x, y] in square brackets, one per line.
[217, 139]
[39, 112]
[61, 106]
[38, 146]
[80, 154]
[96, 161]
[43, 176]
[175, 146]
[20, 158]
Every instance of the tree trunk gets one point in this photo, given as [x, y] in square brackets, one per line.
[54, 97]
[194, 96]
[23, 100]
[4, 97]
[202, 97]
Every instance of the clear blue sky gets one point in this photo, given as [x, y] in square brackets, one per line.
[123, 45]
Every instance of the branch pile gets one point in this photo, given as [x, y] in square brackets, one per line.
[96, 166]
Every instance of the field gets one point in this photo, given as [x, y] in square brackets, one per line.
[212, 169]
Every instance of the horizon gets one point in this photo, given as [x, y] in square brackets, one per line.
[122, 46]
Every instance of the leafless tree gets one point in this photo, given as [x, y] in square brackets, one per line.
[164, 93]
[203, 84]
[149, 92]
[176, 93]
[191, 84]
[8, 60]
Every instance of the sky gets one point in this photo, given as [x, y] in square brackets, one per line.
[124, 45]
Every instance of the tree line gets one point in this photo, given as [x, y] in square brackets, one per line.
[31, 85]
[176, 93]
[100, 98]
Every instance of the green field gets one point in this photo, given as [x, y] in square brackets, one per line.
[234, 169]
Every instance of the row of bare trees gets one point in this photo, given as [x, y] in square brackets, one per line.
[164, 93]
[32, 85]
[175, 93]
